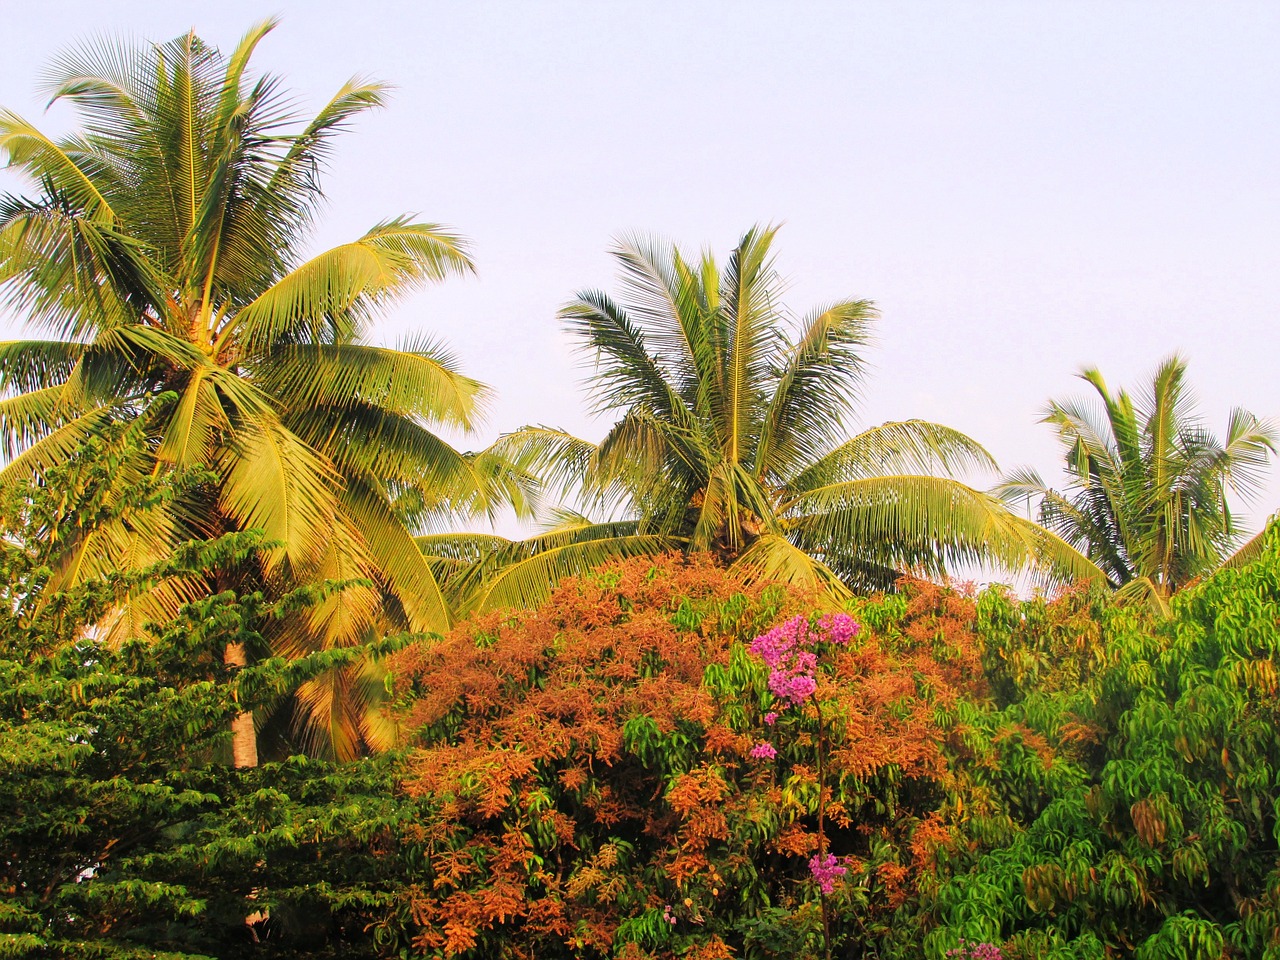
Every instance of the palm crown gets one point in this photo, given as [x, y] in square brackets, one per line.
[162, 250]
[1147, 482]
[731, 438]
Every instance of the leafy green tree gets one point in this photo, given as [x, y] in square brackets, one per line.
[123, 832]
[1146, 823]
[162, 249]
[1148, 482]
[731, 438]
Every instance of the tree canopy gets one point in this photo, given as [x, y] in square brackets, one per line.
[1148, 482]
[164, 250]
[732, 437]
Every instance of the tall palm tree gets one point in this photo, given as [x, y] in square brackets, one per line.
[162, 250]
[731, 438]
[1147, 489]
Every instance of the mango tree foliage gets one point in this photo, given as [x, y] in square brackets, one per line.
[595, 791]
[1153, 829]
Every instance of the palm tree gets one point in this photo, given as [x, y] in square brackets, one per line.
[162, 251]
[1146, 498]
[730, 437]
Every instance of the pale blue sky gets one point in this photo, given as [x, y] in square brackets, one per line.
[1024, 188]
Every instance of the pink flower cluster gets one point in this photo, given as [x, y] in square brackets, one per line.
[826, 871]
[788, 652]
[764, 750]
[968, 950]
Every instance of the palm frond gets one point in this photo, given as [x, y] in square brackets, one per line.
[273, 482]
[400, 564]
[325, 299]
[522, 573]
[418, 380]
[818, 384]
[773, 557]
[906, 446]
[926, 525]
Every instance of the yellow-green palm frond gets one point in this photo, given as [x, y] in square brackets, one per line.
[906, 446]
[818, 384]
[1251, 549]
[196, 424]
[61, 166]
[521, 574]
[273, 482]
[56, 446]
[418, 379]
[924, 524]
[400, 564]
[28, 418]
[773, 557]
[1147, 496]
[327, 298]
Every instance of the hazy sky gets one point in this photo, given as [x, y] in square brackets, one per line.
[1023, 188]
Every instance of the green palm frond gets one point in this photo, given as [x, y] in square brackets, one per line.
[818, 386]
[907, 446]
[524, 574]
[30, 417]
[773, 557]
[56, 446]
[1147, 499]
[1251, 549]
[27, 365]
[327, 298]
[748, 338]
[273, 482]
[924, 524]
[405, 572]
[626, 373]
[419, 379]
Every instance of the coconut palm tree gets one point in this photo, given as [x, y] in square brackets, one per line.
[1147, 489]
[731, 437]
[162, 251]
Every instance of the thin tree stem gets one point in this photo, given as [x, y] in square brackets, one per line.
[822, 830]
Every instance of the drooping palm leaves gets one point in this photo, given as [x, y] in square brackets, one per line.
[162, 250]
[731, 437]
[1147, 490]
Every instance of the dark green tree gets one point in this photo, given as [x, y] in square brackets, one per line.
[123, 831]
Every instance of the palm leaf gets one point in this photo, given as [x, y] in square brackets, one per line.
[328, 295]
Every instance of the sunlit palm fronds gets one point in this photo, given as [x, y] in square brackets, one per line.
[160, 245]
[731, 435]
[1147, 483]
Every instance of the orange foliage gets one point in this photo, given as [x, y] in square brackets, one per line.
[590, 770]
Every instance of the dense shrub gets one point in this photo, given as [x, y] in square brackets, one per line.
[588, 766]
[1060, 778]
[605, 777]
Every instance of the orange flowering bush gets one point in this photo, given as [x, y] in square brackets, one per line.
[592, 791]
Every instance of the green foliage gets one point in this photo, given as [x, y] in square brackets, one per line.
[123, 833]
[1154, 831]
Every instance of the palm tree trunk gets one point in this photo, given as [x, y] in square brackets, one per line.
[244, 739]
